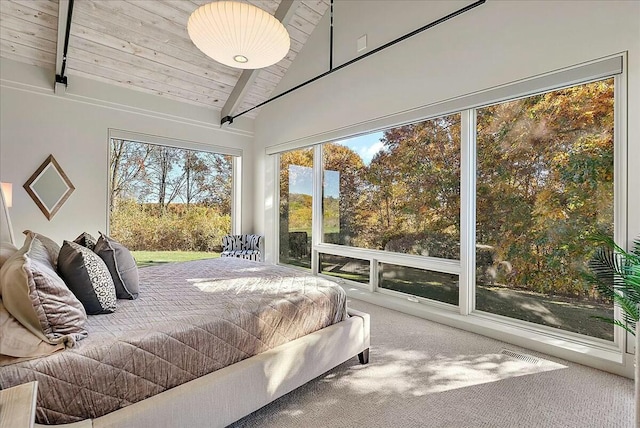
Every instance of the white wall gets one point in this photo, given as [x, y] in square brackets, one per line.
[35, 123]
[495, 44]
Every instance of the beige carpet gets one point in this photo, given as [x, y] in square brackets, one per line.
[423, 374]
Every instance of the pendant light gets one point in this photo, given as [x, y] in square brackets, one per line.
[239, 35]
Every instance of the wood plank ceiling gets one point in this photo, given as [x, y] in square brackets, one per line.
[144, 45]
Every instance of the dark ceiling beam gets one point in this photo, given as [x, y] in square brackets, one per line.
[285, 12]
[65, 10]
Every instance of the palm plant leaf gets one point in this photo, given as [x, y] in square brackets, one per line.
[636, 248]
[616, 275]
[616, 322]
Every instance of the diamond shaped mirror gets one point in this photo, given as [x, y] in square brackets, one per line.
[49, 187]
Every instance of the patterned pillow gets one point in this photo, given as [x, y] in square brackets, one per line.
[88, 278]
[121, 264]
[86, 240]
[38, 298]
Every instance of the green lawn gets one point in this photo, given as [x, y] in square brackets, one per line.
[152, 258]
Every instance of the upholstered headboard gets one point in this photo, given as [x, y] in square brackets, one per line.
[6, 230]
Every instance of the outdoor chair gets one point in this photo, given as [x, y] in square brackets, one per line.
[248, 247]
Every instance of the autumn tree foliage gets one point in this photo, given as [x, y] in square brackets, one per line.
[168, 198]
[544, 184]
[415, 189]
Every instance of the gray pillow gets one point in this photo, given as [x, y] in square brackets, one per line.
[88, 278]
[121, 264]
[86, 240]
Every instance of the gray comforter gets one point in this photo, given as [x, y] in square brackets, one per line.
[190, 319]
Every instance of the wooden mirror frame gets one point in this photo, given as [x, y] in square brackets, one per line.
[28, 186]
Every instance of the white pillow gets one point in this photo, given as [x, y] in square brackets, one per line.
[7, 249]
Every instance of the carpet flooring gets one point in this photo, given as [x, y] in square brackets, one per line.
[424, 374]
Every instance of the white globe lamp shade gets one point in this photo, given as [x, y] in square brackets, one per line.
[239, 35]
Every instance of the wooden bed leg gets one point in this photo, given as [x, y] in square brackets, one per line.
[363, 356]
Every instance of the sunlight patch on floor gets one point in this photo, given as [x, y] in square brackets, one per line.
[416, 373]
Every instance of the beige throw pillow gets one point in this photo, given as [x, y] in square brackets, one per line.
[36, 296]
[7, 249]
[19, 344]
[52, 247]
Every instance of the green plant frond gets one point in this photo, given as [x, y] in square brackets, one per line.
[627, 304]
[609, 244]
[604, 289]
[630, 284]
[630, 311]
[625, 326]
[605, 319]
[636, 247]
[606, 261]
[607, 241]
[600, 238]
[628, 320]
[616, 275]
[630, 288]
[633, 274]
[616, 322]
[631, 293]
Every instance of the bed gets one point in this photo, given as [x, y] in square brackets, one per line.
[206, 343]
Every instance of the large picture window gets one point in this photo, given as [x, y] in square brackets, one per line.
[169, 204]
[544, 185]
[487, 211]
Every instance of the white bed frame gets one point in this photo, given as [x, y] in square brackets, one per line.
[226, 395]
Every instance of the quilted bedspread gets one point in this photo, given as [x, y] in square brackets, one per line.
[190, 319]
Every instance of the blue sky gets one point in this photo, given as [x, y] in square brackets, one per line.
[365, 145]
[301, 178]
[301, 181]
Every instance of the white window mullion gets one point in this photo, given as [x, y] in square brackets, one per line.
[373, 275]
[400, 259]
[316, 208]
[236, 195]
[624, 340]
[467, 294]
[273, 238]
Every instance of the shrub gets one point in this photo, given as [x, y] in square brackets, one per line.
[143, 227]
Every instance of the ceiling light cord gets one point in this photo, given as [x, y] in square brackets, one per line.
[229, 119]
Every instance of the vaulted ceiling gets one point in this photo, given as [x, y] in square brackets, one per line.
[144, 45]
